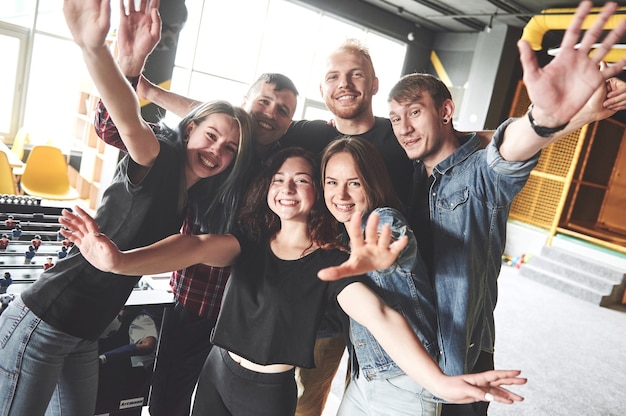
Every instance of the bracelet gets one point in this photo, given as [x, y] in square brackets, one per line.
[540, 130]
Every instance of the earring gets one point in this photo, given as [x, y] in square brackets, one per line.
[445, 121]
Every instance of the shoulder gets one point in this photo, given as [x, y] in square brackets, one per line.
[391, 216]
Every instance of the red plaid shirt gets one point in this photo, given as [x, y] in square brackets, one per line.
[200, 287]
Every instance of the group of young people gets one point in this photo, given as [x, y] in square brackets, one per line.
[423, 209]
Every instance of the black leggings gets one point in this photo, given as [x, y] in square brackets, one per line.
[225, 388]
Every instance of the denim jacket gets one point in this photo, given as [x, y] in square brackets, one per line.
[469, 203]
[406, 287]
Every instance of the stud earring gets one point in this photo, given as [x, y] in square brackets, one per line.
[445, 121]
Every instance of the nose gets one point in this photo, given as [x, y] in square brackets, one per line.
[269, 111]
[403, 127]
[344, 81]
[289, 187]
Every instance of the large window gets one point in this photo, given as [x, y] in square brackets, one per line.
[223, 47]
[220, 55]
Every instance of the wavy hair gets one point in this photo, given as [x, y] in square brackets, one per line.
[259, 220]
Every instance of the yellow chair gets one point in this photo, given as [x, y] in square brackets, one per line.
[7, 180]
[21, 138]
[45, 175]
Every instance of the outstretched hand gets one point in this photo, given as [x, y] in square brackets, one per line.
[82, 230]
[139, 33]
[486, 386]
[561, 88]
[375, 251]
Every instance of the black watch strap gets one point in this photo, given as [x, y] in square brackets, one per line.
[540, 130]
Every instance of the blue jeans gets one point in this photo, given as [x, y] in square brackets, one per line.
[43, 370]
[394, 396]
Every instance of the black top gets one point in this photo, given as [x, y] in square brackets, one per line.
[316, 134]
[272, 307]
[75, 297]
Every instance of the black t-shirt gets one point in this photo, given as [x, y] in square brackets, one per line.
[272, 307]
[316, 134]
[75, 297]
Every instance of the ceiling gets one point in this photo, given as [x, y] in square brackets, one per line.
[468, 15]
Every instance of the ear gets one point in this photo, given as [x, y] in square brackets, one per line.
[188, 130]
[447, 109]
[375, 86]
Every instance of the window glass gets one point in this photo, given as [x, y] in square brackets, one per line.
[229, 38]
[18, 12]
[10, 47]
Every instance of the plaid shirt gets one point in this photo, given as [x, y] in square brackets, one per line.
[199, 288]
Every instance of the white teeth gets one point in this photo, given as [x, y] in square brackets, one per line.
[265, 125]
[206, 162]
[344, 207]
[347, 97]
[288, 202]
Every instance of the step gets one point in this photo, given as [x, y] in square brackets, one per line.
[585, 278]
[562, 284]
[582, 263]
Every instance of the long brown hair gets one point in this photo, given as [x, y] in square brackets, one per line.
[257, 219]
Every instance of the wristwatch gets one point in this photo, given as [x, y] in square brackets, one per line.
[540, 130]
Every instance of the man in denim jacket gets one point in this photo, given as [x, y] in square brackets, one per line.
[462, 193]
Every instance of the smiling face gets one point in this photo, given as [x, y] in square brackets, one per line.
[211, 146]
[344, 192]
[291, 194]
[271, 111]
[419, 128]
[349, 84]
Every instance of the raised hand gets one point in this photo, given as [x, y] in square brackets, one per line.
[561, 88]
[88, 21]
[375, 251]
[82, 230]
[139, 33]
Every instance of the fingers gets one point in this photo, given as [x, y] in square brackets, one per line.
[572, 34]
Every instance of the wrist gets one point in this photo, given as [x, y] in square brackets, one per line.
[543, 130]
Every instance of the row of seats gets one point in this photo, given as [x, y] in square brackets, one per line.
[45, 174]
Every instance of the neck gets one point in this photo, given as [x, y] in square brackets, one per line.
[353, 126]
[292, 241]
[448, 145]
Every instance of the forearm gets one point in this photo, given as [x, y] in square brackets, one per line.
[177, 104]
[394, 334]
[122, 104]
[177, 252]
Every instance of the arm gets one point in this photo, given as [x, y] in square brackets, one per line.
[561, 89]
[177, 104]
[137, 36]
[89, 24]
[173, 253]
[397, 338]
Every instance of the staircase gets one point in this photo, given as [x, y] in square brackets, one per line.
[576, 275]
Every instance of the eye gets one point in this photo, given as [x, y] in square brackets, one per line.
[302, 180]
[354, 184]
[211, 136]
[331, 182]
[394, 120]
[415, 112]
[357, 74]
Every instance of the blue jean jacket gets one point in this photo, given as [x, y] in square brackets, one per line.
[406, 287]
[470, 199]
